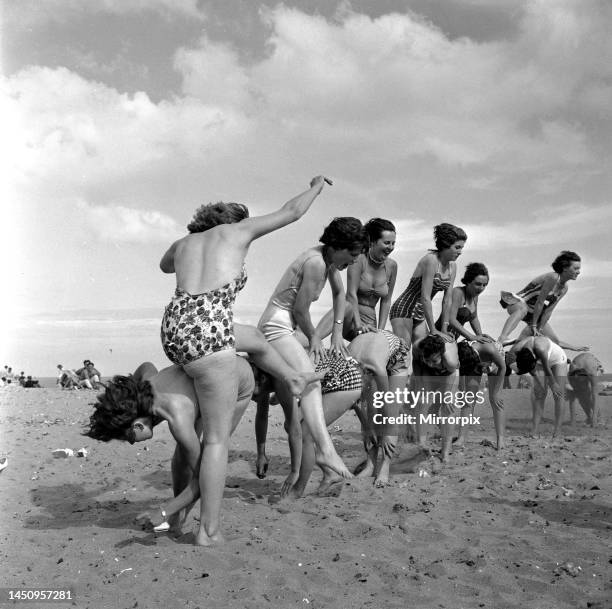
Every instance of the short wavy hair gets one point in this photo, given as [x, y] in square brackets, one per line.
[469, 360]
[375, 227]
[432, 344]
[564, 259]
[472, 270]
[446, 234]
[213, 214]
[345, 233]
[525, 361]
[124, 400]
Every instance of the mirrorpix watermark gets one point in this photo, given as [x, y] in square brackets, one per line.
[449, 403]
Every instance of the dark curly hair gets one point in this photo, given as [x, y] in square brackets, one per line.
[432, 345]
[472, 270]
[375, 227]
[469, 360]
[525, 360]
[124, 400]
[345, 233]
[213, 214]
[446, 234]
[564, 259]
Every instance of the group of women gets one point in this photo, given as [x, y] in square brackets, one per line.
[199, 337]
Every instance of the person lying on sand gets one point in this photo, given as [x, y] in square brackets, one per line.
[582, 385]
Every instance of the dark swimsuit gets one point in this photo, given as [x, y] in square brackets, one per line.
[408, 305]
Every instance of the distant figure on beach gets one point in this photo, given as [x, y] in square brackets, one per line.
[582, 376]
[412, 316]
[198, 332]
[535, 303]
[131, 407]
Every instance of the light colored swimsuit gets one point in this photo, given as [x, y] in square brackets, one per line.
[196, 325]
[368, 295]
[278, 319]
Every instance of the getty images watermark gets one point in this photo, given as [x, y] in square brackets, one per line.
[449, 402]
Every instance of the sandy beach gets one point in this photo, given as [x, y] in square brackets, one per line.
[528, 527]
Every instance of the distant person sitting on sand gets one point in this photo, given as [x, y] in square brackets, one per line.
[340, 387]
[132, 406]
[535, 303]
[89, 376]
[31, 383]
[21, 378]
[582, 380]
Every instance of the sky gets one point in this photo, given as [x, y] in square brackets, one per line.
[121, 117]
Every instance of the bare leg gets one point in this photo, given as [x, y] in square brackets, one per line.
[538, 395]
[334, 406]
[516, 313]
[402, 327]
[215, 382]
[261, 432]
[391, 435]
[370, 444]
[191, 492]
[252, 340]
[560, 374]
[312, 405]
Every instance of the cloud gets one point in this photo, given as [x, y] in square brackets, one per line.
[78, 132]
[560, 225]
[119, 224]
[33, 13]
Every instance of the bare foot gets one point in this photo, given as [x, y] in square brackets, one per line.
[333, 461]
[261, 466]
[296, 492]
[300, 380]
[501, 443]
[445, 457]
[330, 485]
[365, 469]
[203, 539]
[459, 442]
[382, 479]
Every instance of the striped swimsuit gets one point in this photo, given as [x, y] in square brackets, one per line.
[408, 305]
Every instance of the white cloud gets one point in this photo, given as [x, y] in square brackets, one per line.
[560, 225]
[80, 132]
[119, 224]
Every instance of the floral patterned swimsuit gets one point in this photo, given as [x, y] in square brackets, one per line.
[196, 325]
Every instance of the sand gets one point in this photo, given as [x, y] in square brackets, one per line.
[530, 527]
